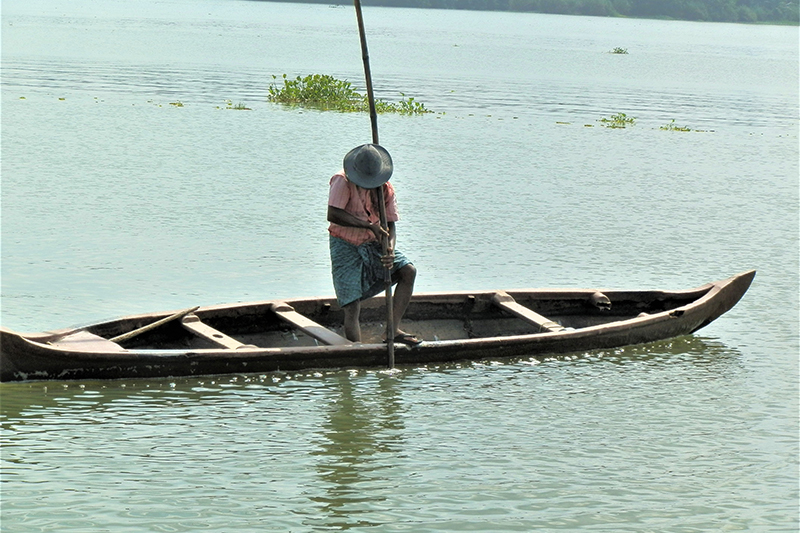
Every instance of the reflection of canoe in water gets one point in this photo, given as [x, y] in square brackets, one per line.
[305, 333]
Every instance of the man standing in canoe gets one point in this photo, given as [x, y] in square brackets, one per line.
[357, 259]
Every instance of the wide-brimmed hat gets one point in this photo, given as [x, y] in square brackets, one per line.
[368, 166]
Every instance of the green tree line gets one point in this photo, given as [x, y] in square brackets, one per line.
[747, 11]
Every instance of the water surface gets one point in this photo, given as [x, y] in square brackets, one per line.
[116, 200]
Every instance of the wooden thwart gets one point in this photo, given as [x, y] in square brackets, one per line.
[287, 313]
[507, 302]
[193, 323]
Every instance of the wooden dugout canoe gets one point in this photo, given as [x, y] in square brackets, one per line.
[305, 333]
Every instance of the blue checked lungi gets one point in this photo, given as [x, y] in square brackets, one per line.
[357, 271]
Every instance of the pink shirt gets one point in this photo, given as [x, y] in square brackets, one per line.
[360, 203]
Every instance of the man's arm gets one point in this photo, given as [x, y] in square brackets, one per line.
[392, 237]
[343, 218]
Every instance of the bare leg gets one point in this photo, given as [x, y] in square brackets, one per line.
[402, 294]
[352, 326]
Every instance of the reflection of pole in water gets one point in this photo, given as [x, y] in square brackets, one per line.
[362, 434]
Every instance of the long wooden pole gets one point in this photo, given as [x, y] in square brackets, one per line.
[148, 327]
[373, 118]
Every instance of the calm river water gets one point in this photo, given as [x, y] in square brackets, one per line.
[129, 186]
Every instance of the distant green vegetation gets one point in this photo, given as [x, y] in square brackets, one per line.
[673, 127]
[619, 50]
[238, 107]
[748, 11]
[321, 91]
[620, 120]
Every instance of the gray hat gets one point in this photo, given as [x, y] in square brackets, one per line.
[368, 166]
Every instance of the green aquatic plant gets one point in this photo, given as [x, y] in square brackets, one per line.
[619, 50]
[409, 106]
[238, 107]
[176, 104]
[321, 91]
[620, 120]
[672, 127]
[317, 90]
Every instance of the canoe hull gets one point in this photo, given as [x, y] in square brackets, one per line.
[31, 357]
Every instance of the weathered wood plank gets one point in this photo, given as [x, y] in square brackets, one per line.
[507, 302]
[287, 313]
[193, 323]
[86, 342]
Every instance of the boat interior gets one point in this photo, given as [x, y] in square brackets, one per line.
[315, 321]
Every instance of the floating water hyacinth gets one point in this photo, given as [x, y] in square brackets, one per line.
[620, 120]
[672, 127]
[325, 92]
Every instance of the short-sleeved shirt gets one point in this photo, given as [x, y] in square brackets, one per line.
[361, 203]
